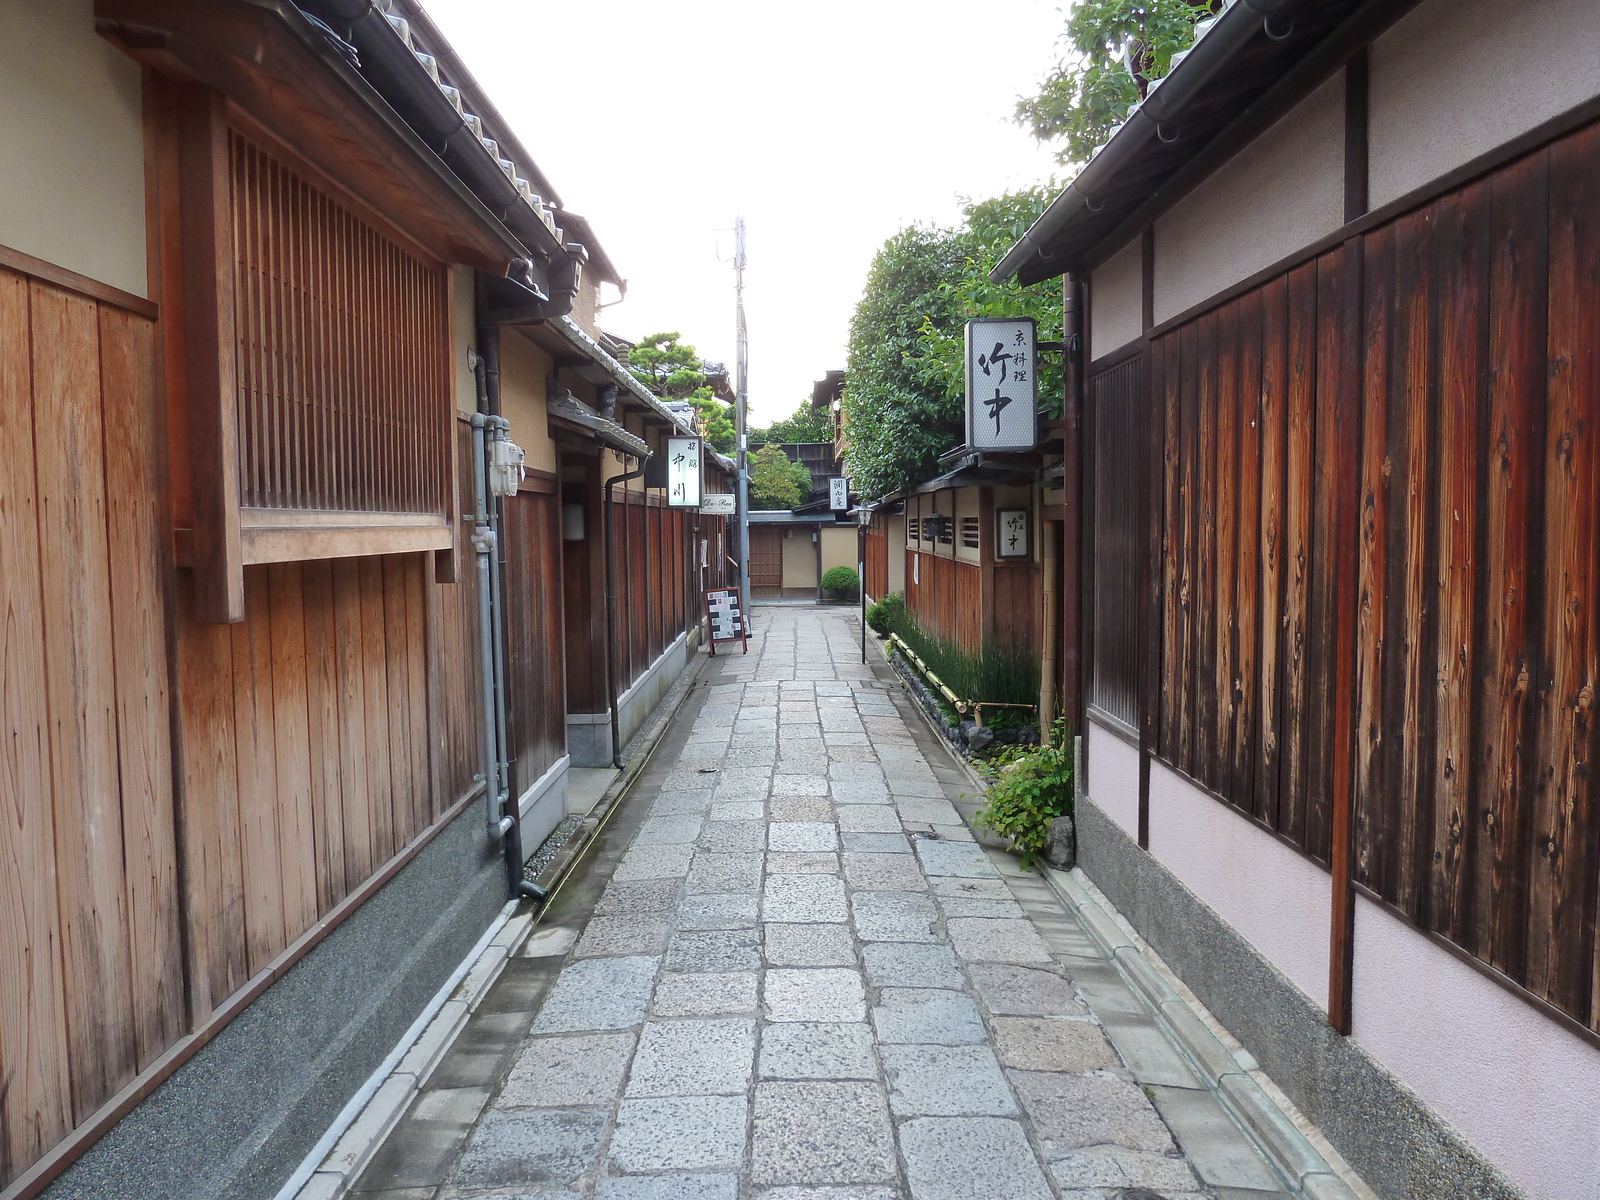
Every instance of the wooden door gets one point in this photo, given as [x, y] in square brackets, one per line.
[766, 560]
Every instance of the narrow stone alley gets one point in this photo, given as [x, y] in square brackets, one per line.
[798, 977]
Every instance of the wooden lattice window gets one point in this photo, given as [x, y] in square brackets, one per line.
[969, 532]
[342, 359]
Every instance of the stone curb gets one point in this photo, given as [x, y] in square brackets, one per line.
[361, 1133]
[1255, 1112]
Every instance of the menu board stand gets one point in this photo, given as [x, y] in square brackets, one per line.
[725, 618]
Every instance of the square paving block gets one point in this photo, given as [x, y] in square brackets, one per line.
[667, 1187]
[693, 1058]
[883, 872]
[713, 950]
[877, 843]
[1070, 1111]
[945, 1081]
[679, 1133]
[802, 836]
[817, 1050]
[804, 785]
[858, 791]
[738, 810]
[960, 906]
[511, 1149]
[868, 818]
[961, 859]
[1013, 940]
[718, 910]
[637, 899]
[813, 994]
[598, 994]
[1216, 1147]
[801, 808]
[970, 1158]
[804, 898]
[906, 964]
[821, 1133]
[624, 935]
[714, 872]
[971, 888]
[937, 1016]
[568, 1072]
[1119, 1167]
[1051, 1044]
[893, 916]
[1009, 991]
[654, 862]
[726, 836]
[808, 945]
[1148, 1051]
[708, 994]
[802, 863]
[668, 831]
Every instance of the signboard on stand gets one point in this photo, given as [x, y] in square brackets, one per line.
[683, 472]
[1002, 385]
[725, 618]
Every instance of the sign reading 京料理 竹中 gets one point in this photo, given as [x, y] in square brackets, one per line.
[1002, 395]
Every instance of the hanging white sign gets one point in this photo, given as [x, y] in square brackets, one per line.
[1002, 385]
[717, 504]
[683, 472]
[838, 493]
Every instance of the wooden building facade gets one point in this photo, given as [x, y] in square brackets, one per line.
[241, 666]
[1338, 589]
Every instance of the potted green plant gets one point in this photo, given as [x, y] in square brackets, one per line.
[840, 583]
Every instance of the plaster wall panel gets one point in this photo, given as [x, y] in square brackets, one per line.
[1114, 777]
[523, 371]
[894, 541]
[1116, 300]
[464, 335]
[1277, 900]
[799, 557]
[72, 154]
[1453, 79]
[968, 506]
[839, 546]
[1523, 1090]
[1281, 192]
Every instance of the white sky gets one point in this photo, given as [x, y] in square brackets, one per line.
[828, 125]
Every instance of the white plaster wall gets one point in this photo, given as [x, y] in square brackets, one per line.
[1518, 1087]
[463, 333]
[1453, 79]
[1274, 898]
[72, 146]
[1114, 777]
[1281, 192]
[1116, 300]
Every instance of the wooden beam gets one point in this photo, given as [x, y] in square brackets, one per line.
[205, 205]
[1356, 162]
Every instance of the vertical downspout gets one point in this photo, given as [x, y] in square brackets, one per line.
[611, 615]
[502, 819]
[1071, 701]
[1049, 650]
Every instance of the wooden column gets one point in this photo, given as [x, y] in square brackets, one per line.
[205, 207]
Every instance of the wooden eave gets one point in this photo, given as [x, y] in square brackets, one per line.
[324, 110]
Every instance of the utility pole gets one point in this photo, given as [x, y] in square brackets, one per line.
[741, 400]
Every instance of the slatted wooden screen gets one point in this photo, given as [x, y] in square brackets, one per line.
[343, 352]
[536, 701]
[1411, 420]
[877, 552]
[1116, 398]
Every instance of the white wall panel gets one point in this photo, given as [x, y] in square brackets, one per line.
[1520, 1088]
[71, 144]
[1276, 899]
[1453, 79]
[1114, 777]
[1280, 193]
[1116, 300]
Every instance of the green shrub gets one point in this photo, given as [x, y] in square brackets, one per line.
[842, 578]
[1032, 787]
[997, 674]
[883, 615]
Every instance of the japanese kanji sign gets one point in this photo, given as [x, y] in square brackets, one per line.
[1002, 395]
[838, 493]
[1011, 533]
[683, 472]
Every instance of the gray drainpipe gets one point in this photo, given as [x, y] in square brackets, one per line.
[501, 819]
[611, 616]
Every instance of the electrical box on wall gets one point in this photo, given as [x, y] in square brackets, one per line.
[505, 466]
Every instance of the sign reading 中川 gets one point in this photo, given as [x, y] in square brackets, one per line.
[1002, 388]
[717, 504]
[683, 472]
[838, 493]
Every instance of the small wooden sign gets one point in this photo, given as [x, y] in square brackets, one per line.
[725, 618]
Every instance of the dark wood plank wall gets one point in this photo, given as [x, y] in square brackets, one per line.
[653, 549]
[535, 657]
[876, 562]
[1448, 365]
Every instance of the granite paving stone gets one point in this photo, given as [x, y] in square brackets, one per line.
[803, 980]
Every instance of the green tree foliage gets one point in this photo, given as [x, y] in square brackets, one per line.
[905, 387]
[672, 370]
[775, 482]
[805, 424]
[1115, 48]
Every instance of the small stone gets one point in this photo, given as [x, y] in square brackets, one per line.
[1061, 845]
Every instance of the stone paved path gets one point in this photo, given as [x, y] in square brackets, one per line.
[805, 981]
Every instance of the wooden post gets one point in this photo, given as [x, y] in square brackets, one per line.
[205, 205]
[1076, 336]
